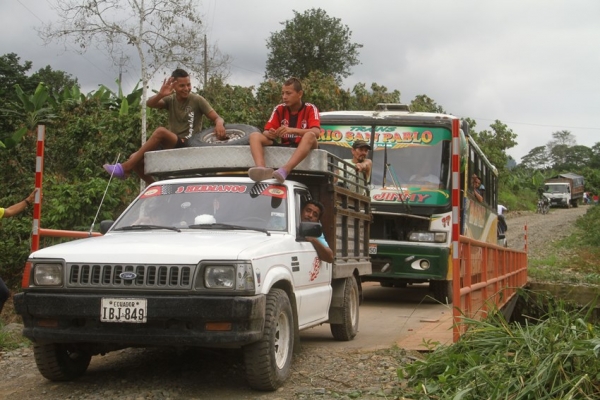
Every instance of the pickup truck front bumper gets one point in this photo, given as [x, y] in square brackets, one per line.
[171, 320]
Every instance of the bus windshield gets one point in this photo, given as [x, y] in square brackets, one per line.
[425, 166]
[411, 164]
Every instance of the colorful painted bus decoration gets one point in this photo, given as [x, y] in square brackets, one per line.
[410, 189]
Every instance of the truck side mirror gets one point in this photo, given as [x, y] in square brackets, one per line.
[105, 226]
[310, 229]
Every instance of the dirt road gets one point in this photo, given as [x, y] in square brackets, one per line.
[364, 368]
[364, 365]
[542, 230]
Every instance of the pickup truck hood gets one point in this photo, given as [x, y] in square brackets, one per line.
[164, 247]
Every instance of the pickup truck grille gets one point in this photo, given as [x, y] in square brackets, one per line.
[147, 276]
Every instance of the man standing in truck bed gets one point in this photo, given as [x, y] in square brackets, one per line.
[293, 123]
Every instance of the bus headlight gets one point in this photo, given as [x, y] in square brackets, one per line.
[431, 237]
[48, 275]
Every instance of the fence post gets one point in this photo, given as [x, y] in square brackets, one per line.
[37, 205]
[456, 225]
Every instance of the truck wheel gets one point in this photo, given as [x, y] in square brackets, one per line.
[237, 134]
[349, 328]
[268, 361]
[60, 362]
[442, 291]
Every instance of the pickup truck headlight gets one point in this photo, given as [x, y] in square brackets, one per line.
[48, 275]
[432, 237]
[229, 276]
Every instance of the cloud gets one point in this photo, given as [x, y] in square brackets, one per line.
[532, 65]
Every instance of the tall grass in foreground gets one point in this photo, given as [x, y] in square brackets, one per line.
[556, 356]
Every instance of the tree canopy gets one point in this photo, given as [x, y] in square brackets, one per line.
[311, 41]
[55, 81]
[495, 143]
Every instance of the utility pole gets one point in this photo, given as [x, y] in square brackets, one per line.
[123, 60]
[205, 62]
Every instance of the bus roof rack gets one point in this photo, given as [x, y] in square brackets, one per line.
[392, 107]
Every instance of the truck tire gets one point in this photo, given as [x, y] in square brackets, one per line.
[348, 329]
[442, 291]
[60, 362]
[268, 362]
[574, 203]
[237, 134]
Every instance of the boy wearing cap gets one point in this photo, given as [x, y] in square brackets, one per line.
[293, 123]
[360, 151]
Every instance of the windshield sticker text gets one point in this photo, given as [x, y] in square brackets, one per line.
[401, 197]
[212, 189]
[389, 136]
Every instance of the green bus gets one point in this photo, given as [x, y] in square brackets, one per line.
[411, 187]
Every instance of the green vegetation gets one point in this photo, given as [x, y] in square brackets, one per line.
[553, 352]
[574, 259]
[555, 356]
[12, 339]
[320, 43]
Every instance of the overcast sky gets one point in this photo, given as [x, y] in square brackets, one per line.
[534, 65]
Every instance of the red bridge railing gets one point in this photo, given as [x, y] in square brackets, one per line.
[490, 277]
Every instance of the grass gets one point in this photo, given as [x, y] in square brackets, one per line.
[574, 259]
[553, 353]
[11, 339]
[554, 356]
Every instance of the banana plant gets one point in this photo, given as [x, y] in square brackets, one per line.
[32, 110]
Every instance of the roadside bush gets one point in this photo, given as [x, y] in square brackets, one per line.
[524, 199]
[589, 223]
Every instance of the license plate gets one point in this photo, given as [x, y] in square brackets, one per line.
[372, 248]
[123, 310]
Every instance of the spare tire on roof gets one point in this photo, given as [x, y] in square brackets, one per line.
[237, 134]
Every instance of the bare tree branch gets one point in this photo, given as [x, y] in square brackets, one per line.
[164, 33]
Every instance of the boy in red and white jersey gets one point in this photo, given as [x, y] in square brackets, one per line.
[293, 123]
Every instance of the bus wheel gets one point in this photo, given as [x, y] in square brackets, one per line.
[442, 291]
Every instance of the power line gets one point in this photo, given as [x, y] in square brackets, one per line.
[68, 44]
[541, 125]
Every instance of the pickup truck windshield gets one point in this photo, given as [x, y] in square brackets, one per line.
[261, 206]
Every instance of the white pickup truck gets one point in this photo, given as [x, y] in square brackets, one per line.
[214, 260]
